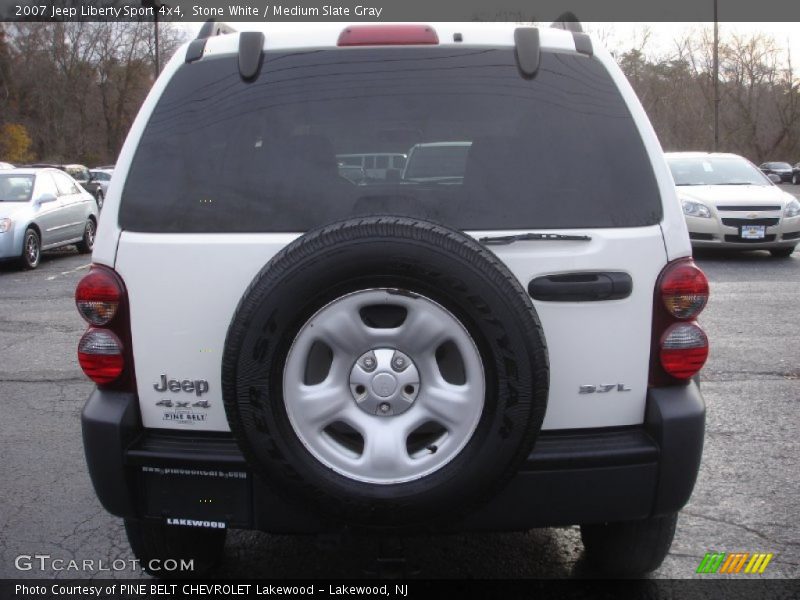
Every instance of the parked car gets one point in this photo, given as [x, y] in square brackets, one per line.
[437, 161]
[83, 176]
[42, 209]
[489, 343]
[729, 203]
[796, 174]
[781, 169]
[374, 165]
[353, 173]
[5, 165]
[101, 177]
[79, 173]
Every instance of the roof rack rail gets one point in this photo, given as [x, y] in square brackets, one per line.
[251, 52]
[568, 22]
[211, 28]
[527, 50]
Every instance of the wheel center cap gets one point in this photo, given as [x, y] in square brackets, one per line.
[384, 384]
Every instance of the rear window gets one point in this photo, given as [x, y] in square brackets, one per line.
[77, 173]
[486, 148]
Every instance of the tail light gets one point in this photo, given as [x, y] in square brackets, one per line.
[684, 349]
[679, 346]
[684, 289]
[387, 35]
[104, 351]
[100, 355]
[97, 296]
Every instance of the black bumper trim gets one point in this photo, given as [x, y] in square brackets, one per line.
[159, 448]
[576, 476]
[591, 449]
[676, 418]
[554, 450]
[110, 422]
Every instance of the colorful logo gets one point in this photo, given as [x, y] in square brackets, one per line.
[738, 562]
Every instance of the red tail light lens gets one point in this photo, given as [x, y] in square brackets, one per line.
[679, 347]
[387, 35]
[98, 295]
[684, 289]
[684, 350]
[100, 355]
[104, 351]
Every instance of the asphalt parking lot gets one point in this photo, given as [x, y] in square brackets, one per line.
[746, 497]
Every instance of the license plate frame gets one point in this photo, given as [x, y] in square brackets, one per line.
[753, 232]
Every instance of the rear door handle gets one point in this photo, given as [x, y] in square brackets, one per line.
[581, 287]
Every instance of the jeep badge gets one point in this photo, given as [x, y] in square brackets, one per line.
[198, 386]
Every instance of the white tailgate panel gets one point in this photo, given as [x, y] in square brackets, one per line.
[594, 343]
[184, 289]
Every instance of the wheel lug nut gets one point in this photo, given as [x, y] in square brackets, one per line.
[384, 407]
[369, 363]
[399, 362]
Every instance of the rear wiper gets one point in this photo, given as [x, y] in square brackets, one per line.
[540, 237]
[738, 183]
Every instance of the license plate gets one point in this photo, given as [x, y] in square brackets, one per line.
[753, 232]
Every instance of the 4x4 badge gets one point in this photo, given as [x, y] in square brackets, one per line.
[166, 402]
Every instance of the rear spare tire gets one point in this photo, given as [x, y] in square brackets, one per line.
[385, 371]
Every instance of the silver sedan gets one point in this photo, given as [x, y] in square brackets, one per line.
[42, 209]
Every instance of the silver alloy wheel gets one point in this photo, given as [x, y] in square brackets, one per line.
[397, 367]
[90, 234]
[32, 249]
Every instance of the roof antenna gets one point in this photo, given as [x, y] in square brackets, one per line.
[568, 22]
[211, 28]
[198, 45]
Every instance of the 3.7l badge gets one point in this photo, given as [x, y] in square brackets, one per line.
[603, 388]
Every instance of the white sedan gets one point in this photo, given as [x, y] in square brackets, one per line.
[729, 203]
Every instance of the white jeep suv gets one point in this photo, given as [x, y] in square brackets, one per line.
[508, 346]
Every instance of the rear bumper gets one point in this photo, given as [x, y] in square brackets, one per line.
[570, 477]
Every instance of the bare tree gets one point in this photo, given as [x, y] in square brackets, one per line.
[77, 86]
[760, 99]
